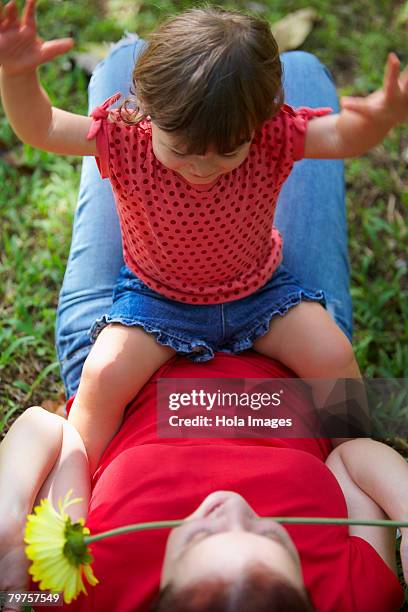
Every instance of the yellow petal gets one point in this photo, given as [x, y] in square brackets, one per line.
[89, 575]
[69, 587]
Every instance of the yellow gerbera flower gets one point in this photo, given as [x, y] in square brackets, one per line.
[57, 549]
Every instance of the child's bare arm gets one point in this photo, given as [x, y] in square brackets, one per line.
[363, 122]
[26, 104]
[37, 123]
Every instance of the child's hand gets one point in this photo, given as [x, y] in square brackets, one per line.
[21, 50]
[388, 105]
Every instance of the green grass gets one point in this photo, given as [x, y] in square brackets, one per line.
[38, 192]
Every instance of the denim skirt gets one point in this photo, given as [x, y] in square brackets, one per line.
[197, 331]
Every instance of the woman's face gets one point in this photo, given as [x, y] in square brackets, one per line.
[196, 169]
[221, 538]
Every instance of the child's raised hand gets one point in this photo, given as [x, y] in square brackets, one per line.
[21, 50]
[388, 105]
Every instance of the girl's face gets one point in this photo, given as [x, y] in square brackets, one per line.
[196, 169]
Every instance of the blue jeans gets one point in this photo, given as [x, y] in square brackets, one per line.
[310, 215]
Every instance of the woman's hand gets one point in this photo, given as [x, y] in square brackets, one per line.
[404, 553]
[389, 105]
[21, 50]
[13, 561]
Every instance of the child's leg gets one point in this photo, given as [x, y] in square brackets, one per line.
[40, 446]
[308, 341]
[120, 363]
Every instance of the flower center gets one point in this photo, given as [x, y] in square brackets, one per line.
[75, 549]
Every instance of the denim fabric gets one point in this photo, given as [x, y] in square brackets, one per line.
[310, 216]
[197, 331]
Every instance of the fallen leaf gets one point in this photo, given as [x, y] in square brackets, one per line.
[291, 31]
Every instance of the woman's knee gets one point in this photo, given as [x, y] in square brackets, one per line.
[307, 63]
[114, 72]
[307, 80]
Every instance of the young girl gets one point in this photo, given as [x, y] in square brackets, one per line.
[196, 170]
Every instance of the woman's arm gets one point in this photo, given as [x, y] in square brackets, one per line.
[26, 104]
[374, 481]
[42, 456]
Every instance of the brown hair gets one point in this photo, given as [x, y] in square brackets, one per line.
[210, 75]
[259, 590]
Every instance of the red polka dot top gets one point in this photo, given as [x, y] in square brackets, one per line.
[192, 243]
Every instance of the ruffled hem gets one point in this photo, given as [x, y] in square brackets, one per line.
[262, 326]
[187, 347]
[180, 345]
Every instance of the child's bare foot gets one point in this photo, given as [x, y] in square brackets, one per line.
[13, 561]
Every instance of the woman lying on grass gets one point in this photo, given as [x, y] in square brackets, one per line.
[140, 477]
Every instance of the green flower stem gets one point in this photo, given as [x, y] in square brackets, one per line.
[129, 528]
[337, 521]
[295, 520]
